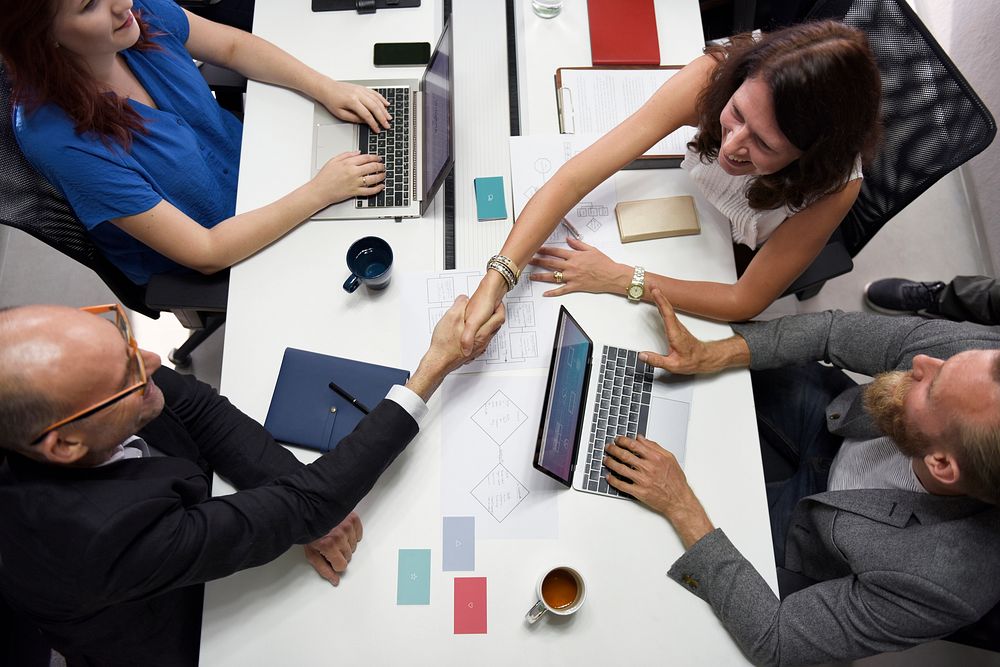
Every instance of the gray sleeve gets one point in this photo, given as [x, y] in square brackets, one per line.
[861, 342]
[839, 619]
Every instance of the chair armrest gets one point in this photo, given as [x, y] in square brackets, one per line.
[189, 296]
[832, 261]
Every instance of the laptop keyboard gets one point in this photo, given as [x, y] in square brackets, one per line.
[621, 407]
[393, 145]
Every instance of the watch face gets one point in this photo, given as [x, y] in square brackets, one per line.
[635, 291]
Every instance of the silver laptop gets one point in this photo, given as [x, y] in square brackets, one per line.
[418, 149]
[628, 398]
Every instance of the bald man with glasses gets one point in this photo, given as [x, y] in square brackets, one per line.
[108, 527]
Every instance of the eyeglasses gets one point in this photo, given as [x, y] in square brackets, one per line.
[136, 380]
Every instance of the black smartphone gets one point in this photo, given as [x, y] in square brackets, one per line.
[402, 54]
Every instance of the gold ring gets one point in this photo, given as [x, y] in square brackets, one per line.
[364, 180]
[558, 276]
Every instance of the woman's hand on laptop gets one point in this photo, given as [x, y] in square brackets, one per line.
[351, 174]
[355, 104]
[688, 355]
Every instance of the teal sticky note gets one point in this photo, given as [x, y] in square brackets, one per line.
[490, 204]
[413, 582]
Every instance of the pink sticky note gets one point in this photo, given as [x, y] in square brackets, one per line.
[470, 605]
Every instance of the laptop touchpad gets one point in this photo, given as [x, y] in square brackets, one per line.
[331, 139]
[667, 425]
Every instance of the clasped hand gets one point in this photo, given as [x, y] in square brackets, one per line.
[330, 554]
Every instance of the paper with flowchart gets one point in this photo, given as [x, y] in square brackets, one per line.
[524, 341]
[534, 159]
[489, 430]
[596, 99]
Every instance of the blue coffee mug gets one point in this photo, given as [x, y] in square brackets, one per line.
[370, 262]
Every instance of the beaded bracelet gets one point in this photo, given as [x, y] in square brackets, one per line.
[509, 263]
[506, 268]
[505, 272]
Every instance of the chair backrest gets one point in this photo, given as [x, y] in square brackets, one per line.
[933, 121]
[30, 203]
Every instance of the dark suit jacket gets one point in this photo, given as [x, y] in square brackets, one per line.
[109, 561]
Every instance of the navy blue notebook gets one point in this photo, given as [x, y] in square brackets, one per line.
[304, 410]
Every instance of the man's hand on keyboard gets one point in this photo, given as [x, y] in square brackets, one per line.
[356, 104]
[651, 475]
[688, 355]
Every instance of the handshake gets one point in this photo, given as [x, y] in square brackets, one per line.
[445, 352]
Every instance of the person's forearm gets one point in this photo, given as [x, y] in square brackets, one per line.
[240, 236]
[691, 523]
[718, 301]
[427, 378]
[542, 214]
[260, 60]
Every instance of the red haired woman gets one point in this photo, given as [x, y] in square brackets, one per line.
[783, 124]
[111, 109]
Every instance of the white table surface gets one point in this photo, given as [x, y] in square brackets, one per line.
[290, 296]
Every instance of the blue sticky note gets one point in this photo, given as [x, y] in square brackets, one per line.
[459, 544]
[490, 199]
[413, 583]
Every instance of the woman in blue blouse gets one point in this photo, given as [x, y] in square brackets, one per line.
[111, 109]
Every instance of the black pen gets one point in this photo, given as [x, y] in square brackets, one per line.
[350, 399]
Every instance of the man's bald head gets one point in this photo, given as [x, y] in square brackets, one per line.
[54, 361]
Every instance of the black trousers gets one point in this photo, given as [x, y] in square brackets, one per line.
[971, 299]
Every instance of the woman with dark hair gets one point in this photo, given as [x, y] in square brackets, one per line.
[111, 109]
[783, 124]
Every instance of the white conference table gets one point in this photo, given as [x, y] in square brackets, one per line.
[289, 295]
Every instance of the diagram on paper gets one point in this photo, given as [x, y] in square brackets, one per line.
[488, 437]
[500, 491]
[535, 159]
[523, 340]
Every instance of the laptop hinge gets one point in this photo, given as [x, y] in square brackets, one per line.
[417, 132]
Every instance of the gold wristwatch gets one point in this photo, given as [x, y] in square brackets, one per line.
[638, 286]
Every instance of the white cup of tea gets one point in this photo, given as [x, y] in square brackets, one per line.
[561, 590]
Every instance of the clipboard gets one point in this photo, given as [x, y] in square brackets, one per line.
[580, 110]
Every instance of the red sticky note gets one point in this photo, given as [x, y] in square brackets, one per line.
[470, 605]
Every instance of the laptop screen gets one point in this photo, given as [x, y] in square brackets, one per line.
[436, 115]
[562, 415]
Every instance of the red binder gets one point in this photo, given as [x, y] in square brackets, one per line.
[623, 32]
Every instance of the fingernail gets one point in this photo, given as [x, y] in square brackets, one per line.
[643, 357]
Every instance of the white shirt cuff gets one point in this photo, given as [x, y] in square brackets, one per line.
[409, 401]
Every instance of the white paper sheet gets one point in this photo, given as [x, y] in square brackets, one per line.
[597, 100]
[524, 341]
[489, 429]
[533, 161]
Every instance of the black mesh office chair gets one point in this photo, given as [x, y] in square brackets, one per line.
[237, 13]
[30, 203]
[933, 123]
